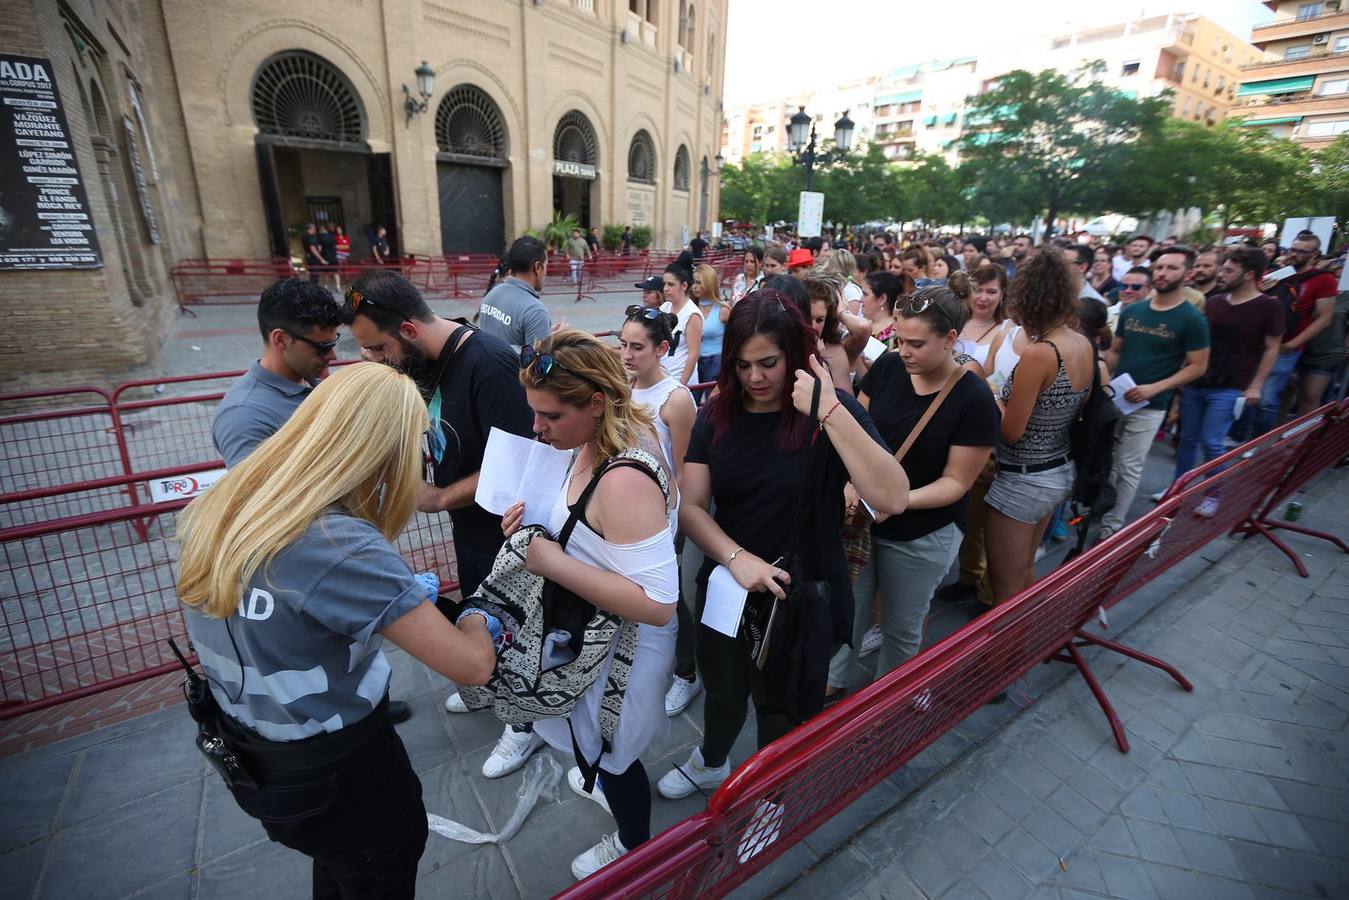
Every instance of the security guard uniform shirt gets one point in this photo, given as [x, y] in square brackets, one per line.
[252, 410]
[301, 655]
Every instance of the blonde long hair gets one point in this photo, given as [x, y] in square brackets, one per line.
[358, 432]
[587, 365]
[706, 276]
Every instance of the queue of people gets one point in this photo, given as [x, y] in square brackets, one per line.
[875, 414]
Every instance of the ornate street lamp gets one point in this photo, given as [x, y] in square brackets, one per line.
[426, 86]
[801, 139]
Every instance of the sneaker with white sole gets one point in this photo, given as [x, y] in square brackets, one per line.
[455, 704]
[597, 857]
[576, 781]
[683, 780]
[764, 828]
[681, 694]
[510, 753]
[1157, 497]
[1207, 508]
[871, 642]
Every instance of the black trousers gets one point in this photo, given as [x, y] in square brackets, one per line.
[685, 641]
[361, 819]
[729, 678]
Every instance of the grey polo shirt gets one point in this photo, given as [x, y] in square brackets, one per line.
[301, 655]
[513, 312]
[252, 410]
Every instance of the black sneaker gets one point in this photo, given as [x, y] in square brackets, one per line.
[956, 592]
[399, 711]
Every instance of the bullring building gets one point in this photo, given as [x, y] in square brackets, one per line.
[218, 130]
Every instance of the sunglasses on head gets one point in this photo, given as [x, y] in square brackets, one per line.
[322, 347]
[637, 311]
[541, 364]
[916, 306]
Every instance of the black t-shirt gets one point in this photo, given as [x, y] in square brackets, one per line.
[310, 242]
[968, 417]
[755, 486]
[479, 388]
[697, 247]
[328, 247]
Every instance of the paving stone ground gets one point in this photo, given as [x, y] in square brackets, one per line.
[1239, 789]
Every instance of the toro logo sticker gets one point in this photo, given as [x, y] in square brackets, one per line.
[181, 486]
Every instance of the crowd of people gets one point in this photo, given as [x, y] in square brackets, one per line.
[837, 428]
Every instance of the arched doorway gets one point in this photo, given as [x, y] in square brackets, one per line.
[313, 160]
[470, 159]
[575, 167]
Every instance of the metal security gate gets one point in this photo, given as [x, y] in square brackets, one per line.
[471, 209]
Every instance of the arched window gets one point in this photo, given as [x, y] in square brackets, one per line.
[298, 94]
[683, 26]
[681, 169]
[469, 124]
[690, 32]
[642, 158]
[652, 8]
[574, 140]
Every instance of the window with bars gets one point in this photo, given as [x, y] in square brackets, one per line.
[469, 124]
[682, 169]
[642, 158]
[301, 95]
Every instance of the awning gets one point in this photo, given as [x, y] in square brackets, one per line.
[929, 121]
[1281, 120]
[906, 97]
[948, 119]
[1277, 86]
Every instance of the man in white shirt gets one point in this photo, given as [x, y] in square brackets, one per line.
[1135, 254]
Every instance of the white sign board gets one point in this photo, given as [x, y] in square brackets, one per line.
[180, 487]
[1321, 226]
[716, 230]
[570, 169]
[810, 214]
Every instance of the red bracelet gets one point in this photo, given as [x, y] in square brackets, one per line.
[825, 418]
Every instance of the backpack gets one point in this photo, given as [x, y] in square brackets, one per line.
[1092, 437]
[560, 642]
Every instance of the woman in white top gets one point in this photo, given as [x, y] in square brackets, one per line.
[620, 557]
[682, 361]
[988, 319]
[643, 342]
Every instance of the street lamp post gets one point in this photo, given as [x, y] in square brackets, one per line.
[801, 139]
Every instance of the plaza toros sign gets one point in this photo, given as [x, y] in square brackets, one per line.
[44, 211]
[573, 169]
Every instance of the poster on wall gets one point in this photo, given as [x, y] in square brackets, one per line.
[44, 210]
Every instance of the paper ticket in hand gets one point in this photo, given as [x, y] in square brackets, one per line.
[516, 468]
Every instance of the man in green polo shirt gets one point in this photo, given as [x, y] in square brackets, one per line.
[1162, 343]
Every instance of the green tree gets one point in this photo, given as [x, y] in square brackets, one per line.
[761, 189]
[1055, 142]
[1328, 181]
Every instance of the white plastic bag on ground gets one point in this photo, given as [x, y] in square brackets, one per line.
[542, 774]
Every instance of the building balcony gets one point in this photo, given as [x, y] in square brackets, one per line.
[1318, 63]
[1284, 29]
[1301, 104]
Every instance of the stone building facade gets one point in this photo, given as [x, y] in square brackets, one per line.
[231, 125]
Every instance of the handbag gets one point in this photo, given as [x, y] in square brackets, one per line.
[857, 527]
[559, 642]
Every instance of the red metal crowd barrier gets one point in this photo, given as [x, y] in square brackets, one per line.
[788, 789]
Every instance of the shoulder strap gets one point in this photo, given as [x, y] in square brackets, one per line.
[931, 411]
[631, 459]
[1057, 355]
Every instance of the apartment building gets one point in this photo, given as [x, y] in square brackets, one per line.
[1300, 89]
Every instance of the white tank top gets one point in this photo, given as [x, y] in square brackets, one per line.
[654, 398]
[1006, 359]
[674, 363]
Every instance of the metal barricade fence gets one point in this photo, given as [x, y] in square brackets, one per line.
[794, 785]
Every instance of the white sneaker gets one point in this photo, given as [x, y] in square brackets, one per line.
[576, 781]
[1040, 552]
[1157, 497]
[1208, 508]
[510, 753]
[871, 642]
[455, 704]
[764, 828]
[683, 780]
[681, 694]
[597, 857]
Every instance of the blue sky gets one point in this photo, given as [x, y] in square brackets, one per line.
[775, 48]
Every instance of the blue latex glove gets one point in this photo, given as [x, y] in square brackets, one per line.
[493, 624]
[430, 582]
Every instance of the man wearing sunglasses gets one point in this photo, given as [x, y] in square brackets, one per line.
[1136, 284]
[298, 320]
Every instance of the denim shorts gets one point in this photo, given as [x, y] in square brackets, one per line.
[1030, 497]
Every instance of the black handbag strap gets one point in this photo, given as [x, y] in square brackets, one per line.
[583, 501]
